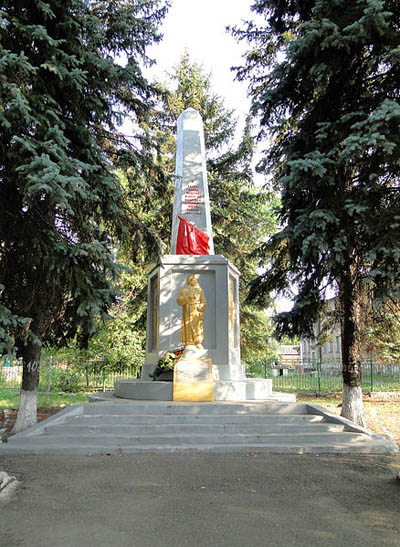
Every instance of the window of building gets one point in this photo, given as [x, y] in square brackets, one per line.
[337, 344]
[330, 346]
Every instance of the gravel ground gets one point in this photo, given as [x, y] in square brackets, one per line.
[207, 500]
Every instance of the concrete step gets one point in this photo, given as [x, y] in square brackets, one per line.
[171, 419]
[253, 396]
[220, 408]
[66, 448]
[63, 445]
[111, 439]
[187, 429]
[137, 426]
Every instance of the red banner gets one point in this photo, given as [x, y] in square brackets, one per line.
[191, 241]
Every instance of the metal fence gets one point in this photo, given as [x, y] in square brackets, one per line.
[320, 376]
[65, 374]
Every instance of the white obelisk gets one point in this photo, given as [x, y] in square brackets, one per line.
[191, 198]
[219, 281]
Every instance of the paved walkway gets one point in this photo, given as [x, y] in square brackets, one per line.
[202, 500]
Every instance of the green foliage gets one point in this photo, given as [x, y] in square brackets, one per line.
[381, 330]
[10, 325]
[257, 368]
[256, 336]
[324, 79]
[119, 342]
[62, 207]
[66, 381]
[289, 341]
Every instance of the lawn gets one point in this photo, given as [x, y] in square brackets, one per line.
[10, 399]
[48, 404]
[381, 415]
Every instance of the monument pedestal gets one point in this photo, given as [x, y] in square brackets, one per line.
[193, 381]
[219, 279]
[224, 390]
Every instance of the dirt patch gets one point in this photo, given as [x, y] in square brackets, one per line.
[382, 415]
[226, 500]
[9, 415]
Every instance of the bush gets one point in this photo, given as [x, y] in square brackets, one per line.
[65, 380]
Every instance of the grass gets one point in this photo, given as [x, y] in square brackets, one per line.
[10, 399]
[381, 415]
[48, 404]
[302, 382]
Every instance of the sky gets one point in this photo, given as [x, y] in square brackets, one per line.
[198, 26]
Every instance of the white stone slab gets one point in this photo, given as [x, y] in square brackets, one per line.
[193, 370]
[243, 390]
[191, 198]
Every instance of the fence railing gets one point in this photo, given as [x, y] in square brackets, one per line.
[72, 375]
[65, 374]
[320, 376]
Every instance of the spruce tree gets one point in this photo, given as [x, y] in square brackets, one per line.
[69, 72]
[325, 82]
[242, 215]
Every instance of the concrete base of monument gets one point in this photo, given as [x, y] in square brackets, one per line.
[224, 390]
[193, 380]
[220, 372]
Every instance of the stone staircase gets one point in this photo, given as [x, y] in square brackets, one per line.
[160, 426]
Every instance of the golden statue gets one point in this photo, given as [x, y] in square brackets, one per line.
[231, 314]
[194, 303]
[155, 312]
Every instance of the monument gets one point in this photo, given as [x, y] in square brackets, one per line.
[193, 297]
[191, 199]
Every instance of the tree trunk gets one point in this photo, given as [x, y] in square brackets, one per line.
[27, 411]
[352, 406]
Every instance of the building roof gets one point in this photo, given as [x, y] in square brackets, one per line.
[289, 350]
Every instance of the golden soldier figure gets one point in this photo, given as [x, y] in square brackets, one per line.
[194, 303]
